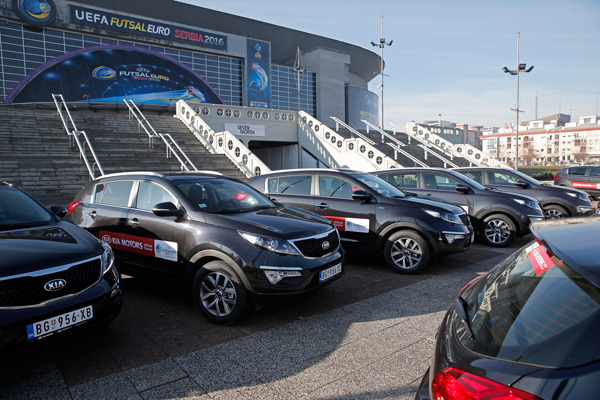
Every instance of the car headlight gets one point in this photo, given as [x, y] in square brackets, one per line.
[270, 244]
[528, 203]
[580, 196]
[108, 257]
[448, 217]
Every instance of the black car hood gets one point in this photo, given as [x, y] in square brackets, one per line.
[284, 222]
[433, 204]
[36, 248]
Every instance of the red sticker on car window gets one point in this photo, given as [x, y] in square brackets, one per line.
[241, 196]
[540, 260]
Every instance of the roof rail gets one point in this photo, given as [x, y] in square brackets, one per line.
[149, 173]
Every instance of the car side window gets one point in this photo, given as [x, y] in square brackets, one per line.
[577, 171]
[296, 184]
[114, 193]
[594, 172]
[502, 179]
[439, 182]
[330, 186]
[475, 175]
[408, 180]
[150, 194]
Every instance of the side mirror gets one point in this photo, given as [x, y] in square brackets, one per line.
[167, 209]
[361, 195]
[59, 210]
[522, 184]
[462, 189]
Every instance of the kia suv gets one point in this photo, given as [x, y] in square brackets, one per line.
[583, 177]
[55, 278]
[227, 241]
[556, 201]
[370, 213]
[528, 328]
[498, 217]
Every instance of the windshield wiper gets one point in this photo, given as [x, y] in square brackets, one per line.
[460, 305]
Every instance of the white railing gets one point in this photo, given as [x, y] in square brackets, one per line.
[336, 151]
[433, 153]
[221, 142]
[398, 149]
[172, 146]
[478, 157]
[75, 134]
[383, 133]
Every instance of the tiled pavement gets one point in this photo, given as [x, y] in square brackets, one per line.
[366, 336]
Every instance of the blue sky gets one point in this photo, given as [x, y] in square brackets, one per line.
[447, 56]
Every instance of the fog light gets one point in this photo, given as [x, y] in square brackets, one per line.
[276, 274]
[452, 237]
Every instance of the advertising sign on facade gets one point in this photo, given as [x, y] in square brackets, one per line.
[112, 73]
[245, 129]
[362, 104]
[125, 23]
[258, 69]
[37, 13]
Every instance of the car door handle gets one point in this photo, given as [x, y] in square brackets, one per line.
[93, 214]
[134, 223]
[323, 206]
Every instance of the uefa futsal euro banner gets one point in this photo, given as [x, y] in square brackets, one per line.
[112, 73]
[258, 70]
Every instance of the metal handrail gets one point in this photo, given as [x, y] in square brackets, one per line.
[141, 119]
[407, 154]
[166, 137]
[74, 134]
[352, 130]
[445, 160]
[427, 142]
[383, 133]
[171, 145]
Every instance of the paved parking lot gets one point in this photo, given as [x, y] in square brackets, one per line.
[368, 335]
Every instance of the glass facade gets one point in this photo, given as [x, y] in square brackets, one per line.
[23, 49]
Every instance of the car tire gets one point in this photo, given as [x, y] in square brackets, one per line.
[219, 293]
[555, 212]
[498, 230]
[406, 252]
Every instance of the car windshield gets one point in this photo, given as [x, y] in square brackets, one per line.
[18, 210]
[526, 178]
[224, 196]
[382, 187]
[467, 180]
[533, 309]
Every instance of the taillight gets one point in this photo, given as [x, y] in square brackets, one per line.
[454, 384]
[72, 206]
[556, 176]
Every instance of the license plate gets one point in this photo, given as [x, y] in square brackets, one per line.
[59, 322]
[330, 272]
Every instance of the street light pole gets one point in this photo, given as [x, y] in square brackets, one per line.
[382, 43]
[520, 69]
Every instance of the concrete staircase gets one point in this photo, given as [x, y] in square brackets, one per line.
[36, 156]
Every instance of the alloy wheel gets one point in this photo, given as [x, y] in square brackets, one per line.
[406, 253]
[497, 231]
[218, 294]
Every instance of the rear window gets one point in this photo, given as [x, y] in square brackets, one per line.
[577, 171]
[520, 314]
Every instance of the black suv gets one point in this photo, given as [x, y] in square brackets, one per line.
[556, 201]
[584, 177]
[54, 277]
[225, 239]
[497, 216]
[527, 329]
[369, 212]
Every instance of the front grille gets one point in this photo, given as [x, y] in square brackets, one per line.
[465, 219]
[313, 247]
[29, 290]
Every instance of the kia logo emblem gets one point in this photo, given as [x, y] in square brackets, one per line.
[325, 245]
[54, 285]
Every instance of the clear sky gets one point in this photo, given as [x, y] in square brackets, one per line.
[447, 55]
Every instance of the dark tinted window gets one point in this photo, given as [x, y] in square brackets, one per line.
[408, 180]
[594, 172]
[296, 184]
[331, 186]
[547, 318]
[439, 182]
[223, 196]
[475, 175]
[17, 208]
[577, 171]
[501, 178]
[114, 193]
